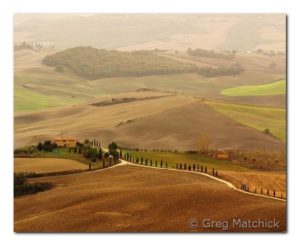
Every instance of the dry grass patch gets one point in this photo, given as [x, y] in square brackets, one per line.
[46, 165]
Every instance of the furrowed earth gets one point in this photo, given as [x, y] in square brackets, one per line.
[131, 198]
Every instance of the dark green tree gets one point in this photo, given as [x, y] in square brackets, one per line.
[40, 146]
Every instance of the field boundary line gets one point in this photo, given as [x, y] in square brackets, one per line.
[230, 185]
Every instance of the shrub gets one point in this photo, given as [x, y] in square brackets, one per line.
[22, 187]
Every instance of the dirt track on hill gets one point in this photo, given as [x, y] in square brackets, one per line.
[129, 198]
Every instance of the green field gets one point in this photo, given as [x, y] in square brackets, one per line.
[40, 88]
[173, 158]
[25, 100]
[256, 117]
[274, 88]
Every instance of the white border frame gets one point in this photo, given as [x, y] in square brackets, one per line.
[9, 8]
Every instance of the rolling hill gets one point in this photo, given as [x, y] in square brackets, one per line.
[259, 118]
[133, 199]
[153, 124]
[269, 89]
[92, 63]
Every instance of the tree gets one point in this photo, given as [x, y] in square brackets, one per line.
[203, 143]
[267, 131]
[90, 153]
[40, 146]
[100, 154]
[112, 146]
[48, 146]
[115, 155]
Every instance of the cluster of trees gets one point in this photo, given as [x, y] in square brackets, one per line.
[22, 187]
[91, 149]
[220, 71]
[33, 46]
[145, 161]
[28, 150]
[156, 90]
[92, 63]
[226, 54]
[47, 146]
[269, 53]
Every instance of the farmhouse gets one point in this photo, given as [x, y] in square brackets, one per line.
[69, 141]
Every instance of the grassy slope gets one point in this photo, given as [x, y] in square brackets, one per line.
[234, 173]
[43, 88]
[275, 88]
[173, 158]
[25, 100]
[38, 86]
[259, 118]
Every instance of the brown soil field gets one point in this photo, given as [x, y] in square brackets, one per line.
[277, 101]
[167, 130]
[151, 124]
[46, 165]
[258, 179]
[137, 199]
[86, 121]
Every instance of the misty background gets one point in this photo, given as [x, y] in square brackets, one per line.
[154, 31]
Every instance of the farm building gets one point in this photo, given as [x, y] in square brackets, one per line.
[69, 142]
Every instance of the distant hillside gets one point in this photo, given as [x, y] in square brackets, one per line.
[274, 88]
[92, 63]
[241, 32]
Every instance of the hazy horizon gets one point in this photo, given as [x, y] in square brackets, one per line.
[241, 32]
